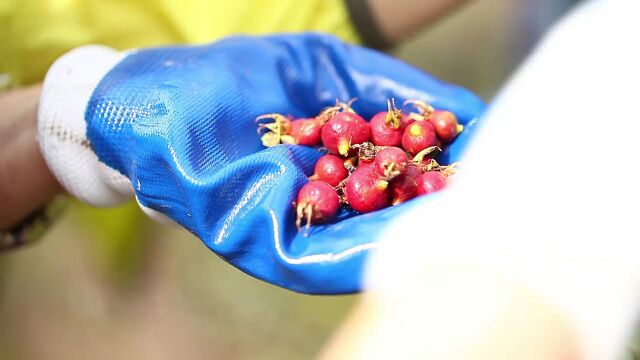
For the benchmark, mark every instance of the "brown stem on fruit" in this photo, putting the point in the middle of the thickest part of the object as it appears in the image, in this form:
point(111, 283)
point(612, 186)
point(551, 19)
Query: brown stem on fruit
point(450, 169)
point(275, 131)
point(367, 151)
point(394, 115)
point(416, 116)
point(340, 190)
point(424, 109)
point(299, 214)
point(391, 171)
point(347, 106)
point(419, 157)
point(431, 165)
point(308, 212)
point(277, 118)
point(327, 113)
point(268, 127)
point(304, 210)
point(350, 164)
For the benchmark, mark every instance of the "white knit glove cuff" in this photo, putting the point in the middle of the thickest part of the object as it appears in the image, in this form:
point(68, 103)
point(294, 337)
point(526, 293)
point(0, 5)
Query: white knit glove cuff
point(62, 128)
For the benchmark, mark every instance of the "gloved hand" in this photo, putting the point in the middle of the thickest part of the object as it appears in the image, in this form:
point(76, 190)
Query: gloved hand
point(175, 127)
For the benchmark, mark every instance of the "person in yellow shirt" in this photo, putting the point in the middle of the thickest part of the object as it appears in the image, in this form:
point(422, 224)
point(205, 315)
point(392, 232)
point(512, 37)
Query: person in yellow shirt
point(34, 33)
point(443, 302)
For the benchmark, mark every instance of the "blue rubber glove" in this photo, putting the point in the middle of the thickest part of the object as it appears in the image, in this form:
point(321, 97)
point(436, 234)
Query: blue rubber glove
point(178, 123)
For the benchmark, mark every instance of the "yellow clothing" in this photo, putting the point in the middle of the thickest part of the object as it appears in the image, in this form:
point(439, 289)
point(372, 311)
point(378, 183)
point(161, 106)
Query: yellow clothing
point(33, 33)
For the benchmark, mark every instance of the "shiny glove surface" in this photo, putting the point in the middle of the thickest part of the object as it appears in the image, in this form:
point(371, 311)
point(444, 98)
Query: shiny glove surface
point(179, 123)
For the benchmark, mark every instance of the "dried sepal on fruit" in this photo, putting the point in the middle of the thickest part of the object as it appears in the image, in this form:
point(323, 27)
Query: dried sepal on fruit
point(367, 151)
point(328, 112)
point(394, 115)
point(422, 154)
point(272, 133)
point(423, 109)
point(351, 164)
point(386, 126)
point(391, 162)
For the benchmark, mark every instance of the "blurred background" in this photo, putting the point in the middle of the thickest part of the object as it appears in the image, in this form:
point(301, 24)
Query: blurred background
point(104, 288)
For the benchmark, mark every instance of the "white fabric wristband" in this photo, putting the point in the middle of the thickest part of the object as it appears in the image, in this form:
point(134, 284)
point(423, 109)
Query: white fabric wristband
point(62, 128)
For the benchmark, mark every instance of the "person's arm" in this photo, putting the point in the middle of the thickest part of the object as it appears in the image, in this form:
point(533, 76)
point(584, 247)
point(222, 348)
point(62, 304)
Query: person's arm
point(533, 252)
point(455, 313)
point(383, 23)
point(26, 183)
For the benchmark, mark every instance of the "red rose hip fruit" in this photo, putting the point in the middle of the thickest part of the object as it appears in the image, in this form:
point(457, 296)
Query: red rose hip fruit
point(391, 162)
point(418, 136)
point(385, 129)
point(431, 181)
point(446, 125)
point(342, 130)
point(317, 203)
point(330, 169)
point(304, 132)
point(366, 191)
point(405, 186)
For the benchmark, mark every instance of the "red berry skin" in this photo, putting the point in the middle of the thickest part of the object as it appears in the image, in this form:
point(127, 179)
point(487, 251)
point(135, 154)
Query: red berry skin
point(330, 169)
point(365, 191)
point(405, 186)
point(367, 164)
point(445, 124)
point(322, 198)
point(383, 134)
point(388, 156)
point(342, 130)
point(431, 181)
point(306, 131)
point(418, 136)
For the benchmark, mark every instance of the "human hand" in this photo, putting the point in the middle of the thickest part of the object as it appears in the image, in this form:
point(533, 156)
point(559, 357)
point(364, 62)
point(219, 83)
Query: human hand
point(175, 127)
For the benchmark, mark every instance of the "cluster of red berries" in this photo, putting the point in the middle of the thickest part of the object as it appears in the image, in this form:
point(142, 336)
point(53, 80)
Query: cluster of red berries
point(370, 165)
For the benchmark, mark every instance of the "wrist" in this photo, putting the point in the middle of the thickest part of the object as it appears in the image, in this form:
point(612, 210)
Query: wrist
point(26, 183)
